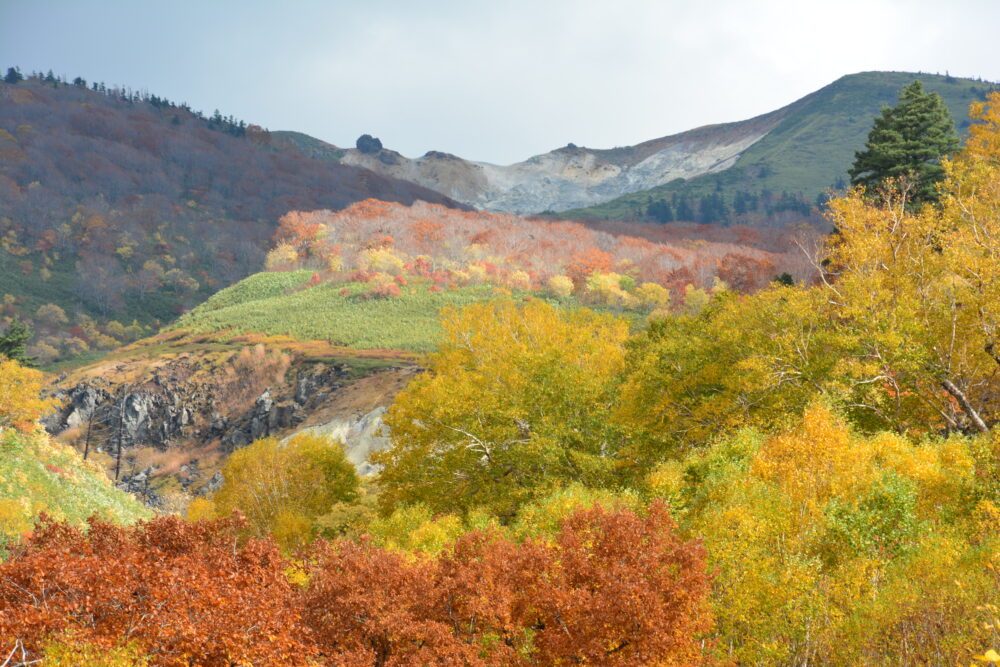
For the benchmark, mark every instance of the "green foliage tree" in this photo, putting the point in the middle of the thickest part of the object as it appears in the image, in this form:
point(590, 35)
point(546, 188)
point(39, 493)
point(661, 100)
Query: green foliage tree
point(14, 341)
point(908, 140)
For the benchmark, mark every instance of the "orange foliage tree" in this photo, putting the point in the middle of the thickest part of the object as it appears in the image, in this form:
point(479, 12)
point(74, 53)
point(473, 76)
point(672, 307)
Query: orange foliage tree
point(456, 243)
point(610, 588)
point(186, 593)
point(585, 263)
point(745, 273)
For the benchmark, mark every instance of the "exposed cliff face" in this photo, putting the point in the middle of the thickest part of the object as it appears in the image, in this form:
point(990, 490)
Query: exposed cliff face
point(177, 421)
point(568, 177)
point(355, 417)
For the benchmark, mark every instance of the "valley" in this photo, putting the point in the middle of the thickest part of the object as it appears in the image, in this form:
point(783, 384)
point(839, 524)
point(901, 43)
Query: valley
point(269, 401)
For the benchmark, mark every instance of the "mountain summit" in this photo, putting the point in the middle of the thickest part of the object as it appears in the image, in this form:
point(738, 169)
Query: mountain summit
point(801, 150)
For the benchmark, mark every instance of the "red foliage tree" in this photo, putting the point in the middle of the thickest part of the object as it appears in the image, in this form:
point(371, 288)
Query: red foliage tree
point(186, 593)
point(590, 261)
point(611, 588)
point(745, 273)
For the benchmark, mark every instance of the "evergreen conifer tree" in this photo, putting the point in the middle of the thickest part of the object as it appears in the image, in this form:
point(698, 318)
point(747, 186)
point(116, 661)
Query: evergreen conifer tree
point(908, 140)
point(13, 342)
point(13, 75)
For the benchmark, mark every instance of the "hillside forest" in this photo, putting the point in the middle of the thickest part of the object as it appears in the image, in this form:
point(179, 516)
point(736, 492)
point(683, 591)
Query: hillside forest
point(120, 209)
point(618, 447)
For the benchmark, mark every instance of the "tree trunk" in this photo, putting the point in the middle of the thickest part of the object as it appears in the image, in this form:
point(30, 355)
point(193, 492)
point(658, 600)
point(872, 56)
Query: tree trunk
point(959, 396)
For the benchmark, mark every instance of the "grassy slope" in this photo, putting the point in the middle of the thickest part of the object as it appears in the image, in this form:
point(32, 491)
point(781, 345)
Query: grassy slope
point(311, 146)
point(813, 146)
point(268, 303)
point(37, 474)
point(279, 304)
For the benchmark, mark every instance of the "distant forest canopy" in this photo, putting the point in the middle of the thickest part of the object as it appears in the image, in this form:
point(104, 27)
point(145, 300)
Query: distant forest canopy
point(118, 205)
point(379, 241)
point(718, 207)
point(227, 124)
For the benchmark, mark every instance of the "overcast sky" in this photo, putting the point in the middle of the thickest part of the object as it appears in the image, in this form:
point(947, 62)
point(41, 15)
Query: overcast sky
point(500, 80)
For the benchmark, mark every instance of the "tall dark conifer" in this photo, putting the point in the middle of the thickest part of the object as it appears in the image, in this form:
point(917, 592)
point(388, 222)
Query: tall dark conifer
point(13, 75)
point(908, 140)
point(14, 342)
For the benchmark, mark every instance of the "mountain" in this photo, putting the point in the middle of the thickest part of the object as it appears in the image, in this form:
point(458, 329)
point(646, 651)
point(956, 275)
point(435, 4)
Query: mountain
point(116, 206)
point(563, 178)
point(781, 161)
point(802, 157)
point(309, 346)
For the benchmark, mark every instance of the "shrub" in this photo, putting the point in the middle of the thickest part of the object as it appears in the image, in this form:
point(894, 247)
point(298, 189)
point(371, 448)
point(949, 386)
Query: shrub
point(561, 286)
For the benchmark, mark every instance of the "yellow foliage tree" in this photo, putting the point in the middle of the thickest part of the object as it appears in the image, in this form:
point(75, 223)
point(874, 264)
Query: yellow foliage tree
point(515, 402)
point(921, 290)
point(835, 547)
point(653, 296)
point(282, 488)
point(282, 257)
point(20, 401)
point(381, 260)
point(561, 286)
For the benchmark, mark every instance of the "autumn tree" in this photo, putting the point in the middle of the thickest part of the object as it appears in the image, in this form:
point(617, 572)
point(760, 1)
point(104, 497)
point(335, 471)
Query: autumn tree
point(515, 401)
point(610, 588)
point(902, 334)
point(20, 401)
point(834, 546)
point(928, 278)
point(583, 264)
point(755, 360)
point(185, 593)
point(51, 316)
point(745, 273)
point(281, 488)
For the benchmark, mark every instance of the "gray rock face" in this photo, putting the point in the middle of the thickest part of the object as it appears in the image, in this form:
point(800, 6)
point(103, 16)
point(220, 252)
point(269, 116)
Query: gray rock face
point(136, 411)
point(81, 402)
point(361, 436)
point(573, 177)
point(162, 413)
point(170, 411)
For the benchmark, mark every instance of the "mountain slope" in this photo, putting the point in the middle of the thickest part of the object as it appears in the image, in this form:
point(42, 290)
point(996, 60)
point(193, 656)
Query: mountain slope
point(811, 148)
point(116, 206)
point(563, 178)
point(39, 475)
point(801, 150)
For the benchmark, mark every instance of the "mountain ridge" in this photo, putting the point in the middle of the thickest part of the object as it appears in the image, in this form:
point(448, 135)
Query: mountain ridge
point(118, 207)
point(580, 181)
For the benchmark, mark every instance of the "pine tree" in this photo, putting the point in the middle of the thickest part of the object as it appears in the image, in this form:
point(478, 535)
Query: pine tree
point(908, 140)
point(14, 340)
point(13, 75)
